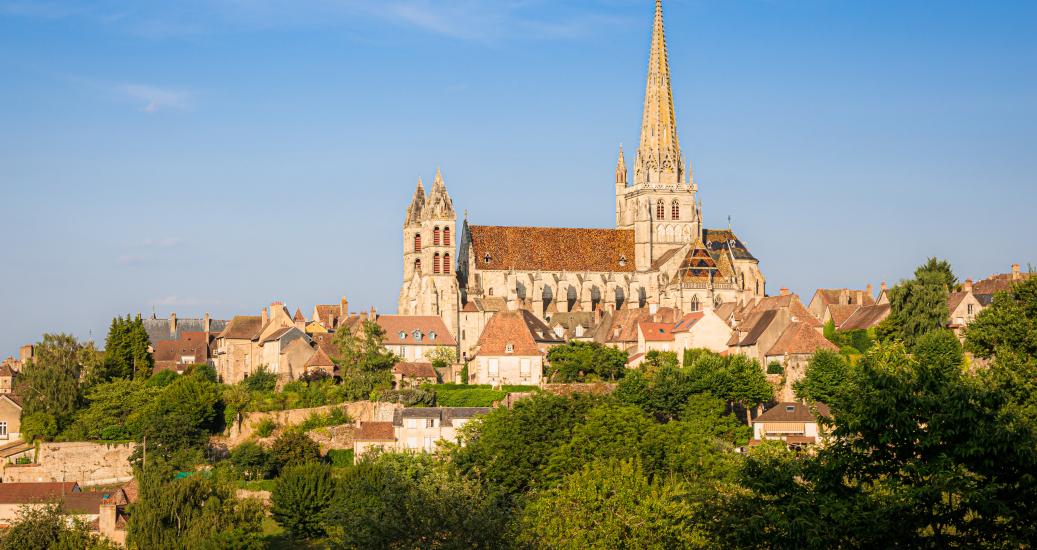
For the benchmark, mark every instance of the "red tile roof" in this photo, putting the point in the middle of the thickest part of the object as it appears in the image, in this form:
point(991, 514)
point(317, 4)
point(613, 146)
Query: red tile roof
point(841, 312)
point(298, 316)
point(656, 332)
point(327, 314)
point(319, 359)
point(326, 342)
point(552, 248)
point(799, 412)
point(790, 301)
point(688, 321)
point(999, 282)
point(415, 370)
point(866, 317)
point(243, 327)
point(374, 431)
point(520, 328)
point(954, 300)
point(400, 330)
point(800, 338)
point(24, 493)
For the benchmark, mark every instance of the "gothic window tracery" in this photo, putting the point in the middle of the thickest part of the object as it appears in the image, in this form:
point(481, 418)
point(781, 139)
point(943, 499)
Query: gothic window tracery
point(675, 210)
point(660, 210)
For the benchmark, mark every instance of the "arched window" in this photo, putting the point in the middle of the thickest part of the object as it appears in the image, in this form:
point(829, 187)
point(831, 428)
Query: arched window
point(446, 263)
point(435, 236)
point(695, 306)
point(435, 263)
point(660, 210)
point(417, 242)
point(446, 236)
point(417, 265)
point(675, 210)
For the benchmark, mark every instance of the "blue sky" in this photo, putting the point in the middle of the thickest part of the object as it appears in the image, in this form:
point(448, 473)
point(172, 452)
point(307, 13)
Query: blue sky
point(198, 156)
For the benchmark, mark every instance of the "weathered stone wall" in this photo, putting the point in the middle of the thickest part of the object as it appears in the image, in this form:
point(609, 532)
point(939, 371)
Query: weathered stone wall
point(85, 462)
point(359, 411)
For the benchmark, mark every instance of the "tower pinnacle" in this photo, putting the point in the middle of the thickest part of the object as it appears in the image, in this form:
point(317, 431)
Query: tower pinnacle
point(621, 169)
point(659, 154)
point(417, 204)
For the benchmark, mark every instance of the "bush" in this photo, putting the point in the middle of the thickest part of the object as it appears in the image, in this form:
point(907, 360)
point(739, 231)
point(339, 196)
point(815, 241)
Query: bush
point(292, 449)
point(300, 498)
point(341, 458)
point(39, 425)
point(265, 427)
point(775, 367)
point(410, 397)
point(260, 381)
point(468, 398)
point(251, 461)
point(334, 417)
point(115, 433)
point(162, 378)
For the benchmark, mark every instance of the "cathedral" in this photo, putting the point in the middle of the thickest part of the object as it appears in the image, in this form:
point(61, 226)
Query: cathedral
point(659, 254)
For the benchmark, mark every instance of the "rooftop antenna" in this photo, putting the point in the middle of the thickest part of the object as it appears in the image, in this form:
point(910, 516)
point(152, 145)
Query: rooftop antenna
point(729, 222)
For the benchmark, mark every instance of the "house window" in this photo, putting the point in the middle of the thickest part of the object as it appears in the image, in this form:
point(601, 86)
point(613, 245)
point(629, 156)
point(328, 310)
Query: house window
point(412, 442)
point(509, 348)
point(622, 261)
point(428, 443)
point(790, 408)
point(524, 367)
point(435, 263)
point(660, 210)
point(675, 210)
point(446, 263)
point(970, 309)
point(494, 368)
point(446, 235)
point(417, 335)
point(3, 429)
point(417, 242)
point(487, 258)
point(403, 335)
point(432, 335)
point(489, 291)
point(430, 422)
point(435, 236)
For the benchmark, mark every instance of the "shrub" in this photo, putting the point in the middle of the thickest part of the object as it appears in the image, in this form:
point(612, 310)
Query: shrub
point(291, 449)
point(334, 417)
point(162, 378)
point(265, 427)
point(115, 432)
point(300, 497)
point(468, 398)
point(775, 367)
point(410, 397)
point(260, 381)
point(39, 425)
point(251, 461)
point(341, 458)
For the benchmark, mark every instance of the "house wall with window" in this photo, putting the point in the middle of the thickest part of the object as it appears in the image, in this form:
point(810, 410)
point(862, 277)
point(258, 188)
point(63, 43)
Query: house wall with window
point(507, 369)
point(10, 418)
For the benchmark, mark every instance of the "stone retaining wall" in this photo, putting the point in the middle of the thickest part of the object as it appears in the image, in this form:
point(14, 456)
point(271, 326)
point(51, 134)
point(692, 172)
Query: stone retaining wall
point(82, 461)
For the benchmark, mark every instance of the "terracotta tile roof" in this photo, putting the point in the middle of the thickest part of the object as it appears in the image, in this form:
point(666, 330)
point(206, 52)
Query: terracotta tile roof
point(665, 258)
point(622, 324)
point(519, 328)
point(834, 295)
point(799, 339)
point(866, 317)
point(243, 327)
point(298, 315)
point(726, 311)
point(415, 370)
point(470, 307)
point(24, 493)
point(89, 502)
point(132, 490)
point(792, 412)
point(327, 314)
point(326, 342)
point(841, 312)
point(277, 334)
point(194, 344)
point(375, 431)
point(656, 332)
point(753, 328)
point(319, 359)
point(792, 303)
point(400, 330)
point(552, 249)
point(999, 282)
point(688, 321)
point(5, 370)
point(954, 300)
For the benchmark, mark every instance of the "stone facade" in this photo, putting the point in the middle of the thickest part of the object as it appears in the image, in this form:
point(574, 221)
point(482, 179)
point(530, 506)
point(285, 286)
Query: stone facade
point(84, 462)
point(658, 254)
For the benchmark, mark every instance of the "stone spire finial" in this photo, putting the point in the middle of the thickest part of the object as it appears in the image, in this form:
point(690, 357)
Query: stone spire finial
point(439, 205)
point(621, 168)
point(417, 204)
point(659, 155)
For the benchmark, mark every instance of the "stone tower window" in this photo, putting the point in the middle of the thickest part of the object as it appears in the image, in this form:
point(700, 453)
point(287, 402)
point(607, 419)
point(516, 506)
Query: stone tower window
point(660, 210)
point(435, 263)
point(446, 263)
point(446, 236)
point(675, 210)
point(417, 265)
point(435, 236)
point(417, 242)
point(509, 348)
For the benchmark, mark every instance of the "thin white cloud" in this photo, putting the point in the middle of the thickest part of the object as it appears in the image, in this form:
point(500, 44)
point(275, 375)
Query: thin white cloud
point(175, 301)
point(153, 98)
point(165, 242)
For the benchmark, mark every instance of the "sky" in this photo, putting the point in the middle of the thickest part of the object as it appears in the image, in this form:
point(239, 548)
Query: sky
point(213, 156)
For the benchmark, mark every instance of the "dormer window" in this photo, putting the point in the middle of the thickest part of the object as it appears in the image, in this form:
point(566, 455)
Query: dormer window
point(417, 335)
point(487, 258)
point(622, 261)
point(403, 335)
point(790, 408)
point(432, 335)
point(509, 348)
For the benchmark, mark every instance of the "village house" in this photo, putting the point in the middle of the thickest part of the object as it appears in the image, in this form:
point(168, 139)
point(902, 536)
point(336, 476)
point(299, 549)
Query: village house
point(865, 317)
point(654, 337)
point(793, 350)
point(239, 348)
point(369, 436)
point(511, 350)
point(413, 337)
point(758, 327)
point(422, 428)
point(319, 361)
point(101, 510)
point(985, 289)
point(10, 415)
point(794, 423)
point(409, 375)
point(701, 330)
point(838, 303)
point(963, 307)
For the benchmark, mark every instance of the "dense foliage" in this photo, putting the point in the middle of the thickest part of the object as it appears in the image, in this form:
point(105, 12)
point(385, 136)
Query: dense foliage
point(46, 527)
point(919, 305)
point(126, 351)
point(585, 361)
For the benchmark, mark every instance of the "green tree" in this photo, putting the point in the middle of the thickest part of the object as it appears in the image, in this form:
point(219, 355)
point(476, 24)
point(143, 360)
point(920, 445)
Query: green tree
point(608, 432)
point(825, 379)
point(301, 496)
point(609, 505)
point(192, 512)
point(260, 380)
point(1009, 324)
point(507, 449)
point(251, 461)
point(180, 417)
point(575, 361)
point(919, 305)
point(126, 350)
point(292, 449)
point(750, 384)
point(442, 357)
point(364, 351)
point(109, 408)
point(49, 384)
point(46, 527)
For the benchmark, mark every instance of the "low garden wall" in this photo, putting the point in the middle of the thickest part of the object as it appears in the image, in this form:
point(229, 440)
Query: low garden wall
point(81, 461)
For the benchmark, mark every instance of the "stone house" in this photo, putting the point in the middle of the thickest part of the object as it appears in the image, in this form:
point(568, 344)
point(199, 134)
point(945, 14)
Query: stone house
point(985, 289)
point(319, 361)
point(422, 428)
point(412, 337)
point(963, 307)
point(405, 375)
point(794, 423)
point(174, 329)
point(793, 350)
point(239, 347)
point(654, 337)
point(473, 318)
point(285, 352)
point(373, 435)
point(758, 328)
point(701, 329)
point(511, 350)
point(7, 377)
point(102, 510)
point(10, 417)
point(190, 348)
point(866, 317)
point(825, 297)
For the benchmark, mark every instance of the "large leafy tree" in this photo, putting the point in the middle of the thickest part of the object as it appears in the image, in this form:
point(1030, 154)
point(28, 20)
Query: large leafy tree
point(611, 504)
point(1009, 324)
point(180, 418)
point(364, 349)
point(126, 350)
point(110, 406)
point(49, 384)
point(576, 361)
point(919, 305)
point(301, 498)
point(47, 527)
point(826, 377)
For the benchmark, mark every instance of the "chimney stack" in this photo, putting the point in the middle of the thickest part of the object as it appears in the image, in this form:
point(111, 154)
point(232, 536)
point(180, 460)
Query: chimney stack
point(1016, 274)
point(870, 290)
point(883, 287)
point(343, 309)
point(967, 287)
point(265, 316)
point(374, 314)
point(784, 292)
point(172, 324)
point(205, 322)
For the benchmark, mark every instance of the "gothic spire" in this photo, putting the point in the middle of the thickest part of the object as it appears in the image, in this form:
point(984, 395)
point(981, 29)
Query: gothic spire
point(659, 155)
point(417, 204)
point(439, 205)
point(621, 168)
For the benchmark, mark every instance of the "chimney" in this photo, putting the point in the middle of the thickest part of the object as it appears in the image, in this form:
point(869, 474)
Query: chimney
point(172, 324)
point(883, 287)
point(870, 291)
point(374, 314)
point(343, 308)
point(860, 297)
point(1016, 274)
point(205, 322)
point(967, 287)
point(106, 518)
point(784, 292)
point(25, 354)
point(264, 315)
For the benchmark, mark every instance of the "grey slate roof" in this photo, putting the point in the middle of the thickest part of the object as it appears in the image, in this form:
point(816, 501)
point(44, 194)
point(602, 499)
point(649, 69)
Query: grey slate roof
point(446, 415)
point(158, 329)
